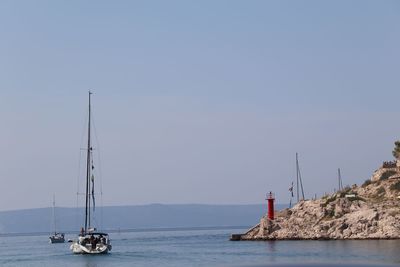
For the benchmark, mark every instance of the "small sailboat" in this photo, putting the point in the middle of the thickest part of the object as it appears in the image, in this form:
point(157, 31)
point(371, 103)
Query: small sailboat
point(56, 237)
point(90, 241)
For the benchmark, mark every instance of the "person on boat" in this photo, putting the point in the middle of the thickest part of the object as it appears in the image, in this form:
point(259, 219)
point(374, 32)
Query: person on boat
point(102, 239)
point(82, 232)
point(93, 241)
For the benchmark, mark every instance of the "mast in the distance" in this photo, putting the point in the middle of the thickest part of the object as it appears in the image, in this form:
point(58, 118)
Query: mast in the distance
point(340, 182)
point(54, 214)
point(299, 180)
point(297, 177)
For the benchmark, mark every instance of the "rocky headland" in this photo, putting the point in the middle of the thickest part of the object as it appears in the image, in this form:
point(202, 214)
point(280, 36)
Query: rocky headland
point(369, 211)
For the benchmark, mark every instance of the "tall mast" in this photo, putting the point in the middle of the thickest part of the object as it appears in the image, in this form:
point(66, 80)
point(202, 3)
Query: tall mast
point(54, 214)
point(297, 177)
point(301, 185)
point(89, 148)
point(299, 180)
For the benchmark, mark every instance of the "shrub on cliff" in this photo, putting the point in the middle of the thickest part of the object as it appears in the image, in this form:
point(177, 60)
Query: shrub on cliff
point(396, 150)
point(386, 175)
point(395, 186)
point(356, 198)
point(380, 190)
point(328, 200)
point(366, 183)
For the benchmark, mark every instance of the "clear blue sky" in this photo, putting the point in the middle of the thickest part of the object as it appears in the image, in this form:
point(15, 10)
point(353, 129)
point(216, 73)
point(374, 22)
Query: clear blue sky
point(195, 101)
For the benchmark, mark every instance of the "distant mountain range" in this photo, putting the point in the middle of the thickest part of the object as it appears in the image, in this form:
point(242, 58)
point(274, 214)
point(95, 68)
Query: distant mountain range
point(133, 217)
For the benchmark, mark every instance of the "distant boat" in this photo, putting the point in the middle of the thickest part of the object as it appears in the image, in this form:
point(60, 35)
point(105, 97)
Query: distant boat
point(56, 237)
point(90, 241)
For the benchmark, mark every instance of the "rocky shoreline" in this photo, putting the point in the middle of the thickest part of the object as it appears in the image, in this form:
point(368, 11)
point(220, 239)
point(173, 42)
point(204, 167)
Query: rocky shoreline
point(369, 211)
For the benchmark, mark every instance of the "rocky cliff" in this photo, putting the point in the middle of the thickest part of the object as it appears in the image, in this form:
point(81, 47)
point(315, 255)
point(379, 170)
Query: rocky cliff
point(370, 211)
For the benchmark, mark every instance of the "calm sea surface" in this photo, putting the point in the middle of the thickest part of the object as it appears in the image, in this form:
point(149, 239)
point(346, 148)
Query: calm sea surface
point(199, 248)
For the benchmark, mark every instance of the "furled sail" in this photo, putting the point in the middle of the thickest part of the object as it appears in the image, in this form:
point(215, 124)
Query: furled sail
point(94, 203)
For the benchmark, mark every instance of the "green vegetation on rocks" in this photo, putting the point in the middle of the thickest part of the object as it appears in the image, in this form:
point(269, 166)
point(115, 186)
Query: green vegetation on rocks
point(380, 190)
point(366, 183)
point(395, 186)
point(387, 174)
point(396, 150)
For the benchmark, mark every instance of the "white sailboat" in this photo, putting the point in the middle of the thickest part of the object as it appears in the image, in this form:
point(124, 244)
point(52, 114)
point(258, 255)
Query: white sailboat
point(90, 241)
point(56, 237)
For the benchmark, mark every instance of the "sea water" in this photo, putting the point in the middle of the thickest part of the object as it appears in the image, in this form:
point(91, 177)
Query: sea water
point(210, 247)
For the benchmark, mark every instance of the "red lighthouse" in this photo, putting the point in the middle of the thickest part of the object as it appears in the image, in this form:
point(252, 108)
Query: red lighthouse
point(270, 198)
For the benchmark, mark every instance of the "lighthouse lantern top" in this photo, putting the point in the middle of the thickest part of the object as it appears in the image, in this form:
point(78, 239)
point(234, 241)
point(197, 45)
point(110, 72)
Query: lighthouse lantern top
point(270, 195)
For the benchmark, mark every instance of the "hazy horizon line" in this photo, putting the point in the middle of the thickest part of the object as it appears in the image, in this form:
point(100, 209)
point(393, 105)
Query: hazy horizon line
point(142, 205)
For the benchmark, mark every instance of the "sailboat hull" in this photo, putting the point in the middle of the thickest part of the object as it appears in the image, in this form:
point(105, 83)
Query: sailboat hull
point(56, 239)
point(80, 249)
point(93, 243)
